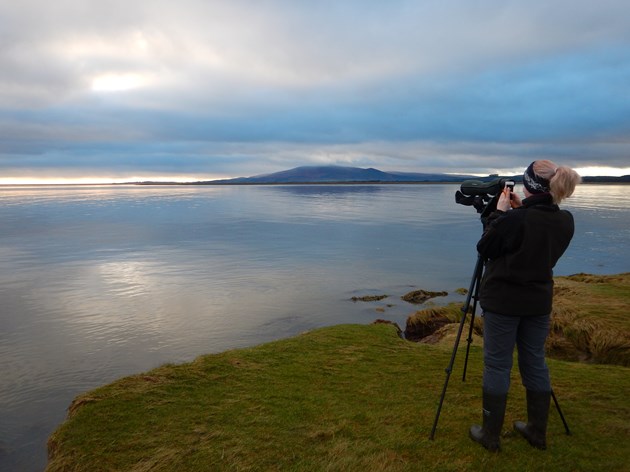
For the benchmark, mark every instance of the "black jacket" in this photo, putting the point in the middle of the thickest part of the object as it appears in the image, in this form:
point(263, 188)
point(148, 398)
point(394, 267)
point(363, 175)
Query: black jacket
point(521, 247)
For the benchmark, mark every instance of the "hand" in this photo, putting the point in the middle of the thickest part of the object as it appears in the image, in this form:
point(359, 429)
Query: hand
point(504, 203)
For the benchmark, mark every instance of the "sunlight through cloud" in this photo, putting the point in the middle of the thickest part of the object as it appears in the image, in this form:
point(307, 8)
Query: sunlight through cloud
point(118, 82)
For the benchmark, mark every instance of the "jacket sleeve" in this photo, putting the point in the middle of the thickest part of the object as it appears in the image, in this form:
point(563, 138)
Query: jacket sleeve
point(503, 234)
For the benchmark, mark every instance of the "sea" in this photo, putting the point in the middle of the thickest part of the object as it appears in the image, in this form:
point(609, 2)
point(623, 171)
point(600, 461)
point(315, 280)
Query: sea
point(99, 282)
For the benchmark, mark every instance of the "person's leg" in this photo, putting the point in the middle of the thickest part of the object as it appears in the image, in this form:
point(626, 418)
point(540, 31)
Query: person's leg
point(499, 336)
point(530, 341)
point(531, 338)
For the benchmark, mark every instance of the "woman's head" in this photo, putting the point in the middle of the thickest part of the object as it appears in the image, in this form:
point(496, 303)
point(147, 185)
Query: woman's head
point(544, 176)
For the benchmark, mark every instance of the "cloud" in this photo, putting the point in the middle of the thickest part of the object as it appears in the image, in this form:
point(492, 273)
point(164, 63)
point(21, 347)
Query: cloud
point(223, 87)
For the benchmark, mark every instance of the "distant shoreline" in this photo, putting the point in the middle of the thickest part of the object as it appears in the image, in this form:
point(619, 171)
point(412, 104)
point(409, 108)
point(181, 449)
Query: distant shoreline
point(586, 181)
point(343, 175)
point(350, 182)
point(605, 182)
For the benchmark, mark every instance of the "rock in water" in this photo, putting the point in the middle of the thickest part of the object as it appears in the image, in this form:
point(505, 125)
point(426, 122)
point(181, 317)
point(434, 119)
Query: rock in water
point(421, 296)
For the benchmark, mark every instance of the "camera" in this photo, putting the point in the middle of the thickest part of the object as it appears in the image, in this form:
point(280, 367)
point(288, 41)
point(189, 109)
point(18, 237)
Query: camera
point(482, 195)
point(478, 187)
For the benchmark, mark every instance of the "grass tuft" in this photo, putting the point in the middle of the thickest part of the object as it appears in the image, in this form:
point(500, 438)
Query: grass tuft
point(589, 323)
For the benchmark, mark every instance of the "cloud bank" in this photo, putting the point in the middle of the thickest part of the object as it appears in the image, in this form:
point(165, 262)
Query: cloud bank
point(202, 89)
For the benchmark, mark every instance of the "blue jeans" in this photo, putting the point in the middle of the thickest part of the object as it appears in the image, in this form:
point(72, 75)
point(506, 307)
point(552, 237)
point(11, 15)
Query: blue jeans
point(500, 334)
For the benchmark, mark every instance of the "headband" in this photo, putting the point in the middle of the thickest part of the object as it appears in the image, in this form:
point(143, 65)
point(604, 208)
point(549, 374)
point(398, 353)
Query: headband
point(534, 183)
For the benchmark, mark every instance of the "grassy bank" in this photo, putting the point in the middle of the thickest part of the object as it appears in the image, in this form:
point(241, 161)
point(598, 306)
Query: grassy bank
point(344, 398)
point(590, 320)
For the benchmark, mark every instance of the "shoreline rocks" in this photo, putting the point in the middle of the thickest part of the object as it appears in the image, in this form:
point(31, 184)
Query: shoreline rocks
point(369, 298)
point(420, 296)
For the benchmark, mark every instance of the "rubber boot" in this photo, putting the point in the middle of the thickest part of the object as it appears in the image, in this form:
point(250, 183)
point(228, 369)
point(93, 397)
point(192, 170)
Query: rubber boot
point(489, 434)
point(535, 431)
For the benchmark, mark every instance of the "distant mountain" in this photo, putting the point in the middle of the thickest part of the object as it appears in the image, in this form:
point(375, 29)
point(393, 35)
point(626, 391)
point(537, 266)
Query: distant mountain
point(342, 174)
point(337, 174)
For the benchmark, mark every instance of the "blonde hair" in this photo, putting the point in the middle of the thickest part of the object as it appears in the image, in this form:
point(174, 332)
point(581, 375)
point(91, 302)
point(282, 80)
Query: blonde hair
point(562, 179)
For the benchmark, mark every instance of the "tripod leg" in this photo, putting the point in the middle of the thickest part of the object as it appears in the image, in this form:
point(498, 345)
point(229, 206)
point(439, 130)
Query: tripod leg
point(564, 422)
point(477, 283)
point(469, 341)
point(449, 369)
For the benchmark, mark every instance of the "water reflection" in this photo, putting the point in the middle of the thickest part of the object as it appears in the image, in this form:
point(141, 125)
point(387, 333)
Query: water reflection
point(328, 190)
point(100, 282)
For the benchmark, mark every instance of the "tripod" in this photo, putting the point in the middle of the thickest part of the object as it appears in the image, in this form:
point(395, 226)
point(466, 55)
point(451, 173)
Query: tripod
point(473, 295)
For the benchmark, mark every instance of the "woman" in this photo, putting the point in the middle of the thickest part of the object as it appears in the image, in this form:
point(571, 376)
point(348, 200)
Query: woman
point(521, 243)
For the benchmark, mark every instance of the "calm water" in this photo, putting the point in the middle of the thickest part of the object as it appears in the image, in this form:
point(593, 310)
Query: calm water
point(100, 282)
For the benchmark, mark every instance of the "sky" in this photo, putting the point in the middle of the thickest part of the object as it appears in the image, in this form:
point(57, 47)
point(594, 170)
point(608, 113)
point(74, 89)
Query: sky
point(119, 90)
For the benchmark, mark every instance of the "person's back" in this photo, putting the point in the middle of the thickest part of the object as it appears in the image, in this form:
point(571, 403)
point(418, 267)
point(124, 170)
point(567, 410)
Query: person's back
point(523, 247)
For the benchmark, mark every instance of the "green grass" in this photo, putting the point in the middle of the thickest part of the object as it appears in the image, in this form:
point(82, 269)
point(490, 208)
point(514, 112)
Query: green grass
point(344, 398)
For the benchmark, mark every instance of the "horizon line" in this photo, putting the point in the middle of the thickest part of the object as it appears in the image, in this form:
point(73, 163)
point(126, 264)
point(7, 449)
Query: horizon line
point(585, 172)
